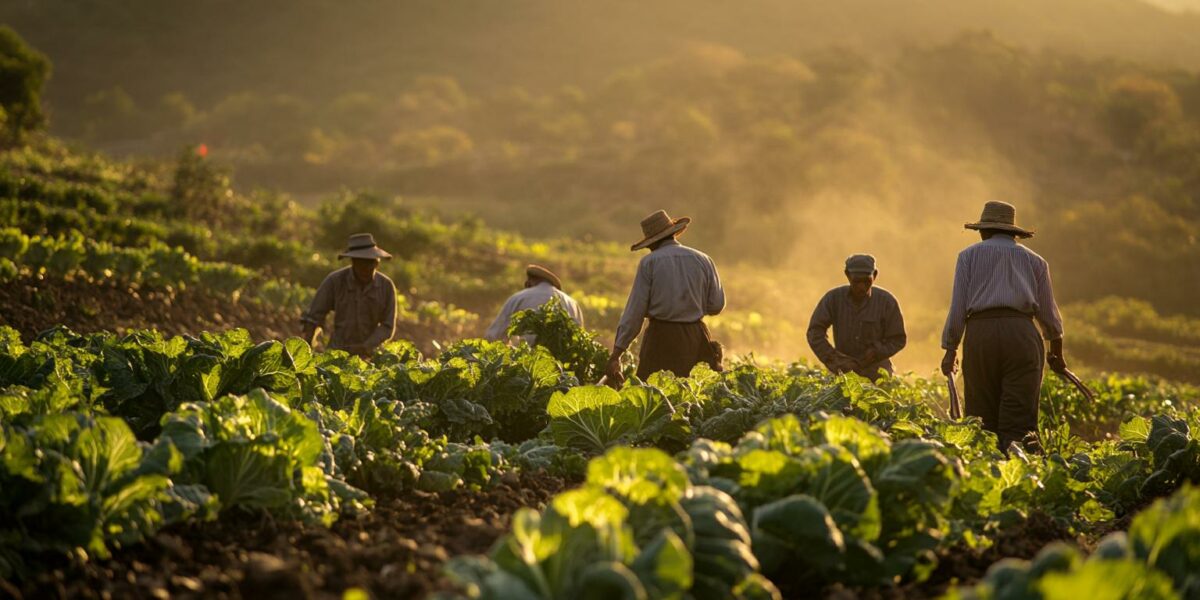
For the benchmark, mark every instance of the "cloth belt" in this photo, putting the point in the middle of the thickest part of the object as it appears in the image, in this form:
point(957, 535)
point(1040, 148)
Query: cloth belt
point(676, 322)
point(1002, 312)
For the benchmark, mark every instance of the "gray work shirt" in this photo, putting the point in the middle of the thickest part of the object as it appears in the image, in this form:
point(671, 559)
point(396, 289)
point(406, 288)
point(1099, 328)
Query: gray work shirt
point(1000, 273)
point(673, 283)
point(529, 299)
point(363, 315)
point(876, 324)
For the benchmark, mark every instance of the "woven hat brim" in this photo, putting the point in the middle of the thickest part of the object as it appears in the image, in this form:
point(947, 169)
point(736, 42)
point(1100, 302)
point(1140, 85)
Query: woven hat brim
point(678, 226)
point(366, 253)
point(999, 226)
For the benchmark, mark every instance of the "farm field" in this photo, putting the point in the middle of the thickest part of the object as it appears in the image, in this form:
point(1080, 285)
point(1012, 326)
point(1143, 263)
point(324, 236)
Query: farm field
point(205, 465)
point(165, 431)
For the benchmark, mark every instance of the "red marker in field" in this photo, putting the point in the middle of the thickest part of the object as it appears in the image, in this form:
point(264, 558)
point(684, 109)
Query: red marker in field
point(202, 150)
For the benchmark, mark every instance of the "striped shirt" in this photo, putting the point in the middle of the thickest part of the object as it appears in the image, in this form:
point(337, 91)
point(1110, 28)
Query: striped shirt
point(673, 283)
point(1000, 273)
point(528, 299)
point(877, 325)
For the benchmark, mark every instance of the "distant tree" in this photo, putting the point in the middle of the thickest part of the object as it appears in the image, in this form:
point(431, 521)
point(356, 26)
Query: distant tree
point(201, 191)
point(23, 72)
point(1134, 105)
point(109, 114)
point(432, 146)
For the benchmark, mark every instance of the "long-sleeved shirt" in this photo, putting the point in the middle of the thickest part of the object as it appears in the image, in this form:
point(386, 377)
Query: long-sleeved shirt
point(673, 283)
point(877, 324)
point(528, 299)
point(1000, 273)
point(363, 315)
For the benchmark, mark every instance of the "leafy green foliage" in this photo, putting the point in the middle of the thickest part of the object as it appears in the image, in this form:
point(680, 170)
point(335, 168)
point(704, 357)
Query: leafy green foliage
point(1159, 559)
point(573, 346)
point(869, 474)
point(636, 529)
point(23, 72)
point(594, 418)
point(72, 481)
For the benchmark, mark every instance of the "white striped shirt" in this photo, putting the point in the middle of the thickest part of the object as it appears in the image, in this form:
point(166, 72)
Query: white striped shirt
point(1000, 273)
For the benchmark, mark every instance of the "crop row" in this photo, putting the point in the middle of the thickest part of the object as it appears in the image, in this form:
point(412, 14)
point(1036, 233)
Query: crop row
point(737, 477)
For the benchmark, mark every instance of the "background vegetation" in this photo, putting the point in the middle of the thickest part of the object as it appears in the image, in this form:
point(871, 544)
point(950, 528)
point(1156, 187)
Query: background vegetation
point(791, 141)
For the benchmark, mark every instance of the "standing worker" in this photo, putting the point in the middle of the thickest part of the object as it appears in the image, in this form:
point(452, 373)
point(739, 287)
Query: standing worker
point(541, 286)
point(362, 299)
point(675, 287)
point(1000, 287)
point(868, 328)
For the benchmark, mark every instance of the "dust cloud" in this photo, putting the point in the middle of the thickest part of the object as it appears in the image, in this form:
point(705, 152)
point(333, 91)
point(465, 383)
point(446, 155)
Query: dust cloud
point(887, 190)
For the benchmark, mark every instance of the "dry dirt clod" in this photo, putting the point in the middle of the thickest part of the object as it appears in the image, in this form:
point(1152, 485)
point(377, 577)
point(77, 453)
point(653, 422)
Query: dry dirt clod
point(190, 584)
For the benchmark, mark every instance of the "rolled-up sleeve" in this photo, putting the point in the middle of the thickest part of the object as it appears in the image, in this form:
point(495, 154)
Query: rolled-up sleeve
point(818, 330)
point(714, 303)
point(321, 304)
point(387, 325)
point(956, 319)
point(636, 307)
point(1047, 308)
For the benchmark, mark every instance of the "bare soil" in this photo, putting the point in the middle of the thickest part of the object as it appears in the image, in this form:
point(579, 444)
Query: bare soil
point(33, 304)
point(396, 550)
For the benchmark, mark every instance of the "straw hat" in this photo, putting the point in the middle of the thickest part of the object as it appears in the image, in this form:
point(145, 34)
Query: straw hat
point(541, 272)
point(362, 245)
point(660, 226)
point(1000, 216)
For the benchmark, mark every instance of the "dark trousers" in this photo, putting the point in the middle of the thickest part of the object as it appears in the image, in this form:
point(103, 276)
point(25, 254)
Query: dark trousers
point(1002, 369)
point(675, 347)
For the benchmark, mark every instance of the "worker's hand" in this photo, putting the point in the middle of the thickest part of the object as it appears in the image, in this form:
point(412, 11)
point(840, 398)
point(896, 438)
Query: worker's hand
point(613, 371)
point(870, 357)
point(843, 363)
point(949, 363)
point(1057, 363)
point(1054, 357)
point(309, 334)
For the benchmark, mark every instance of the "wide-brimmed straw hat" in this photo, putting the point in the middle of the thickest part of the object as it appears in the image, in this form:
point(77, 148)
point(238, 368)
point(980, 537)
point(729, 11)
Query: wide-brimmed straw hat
point(660, 226)
point(543, 273)
point(362, 245)
point(1000, 216)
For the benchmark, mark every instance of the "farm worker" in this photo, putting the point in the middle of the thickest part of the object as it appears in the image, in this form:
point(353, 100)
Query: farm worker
point(1000, 288)
point(541, 286)
point(362, 299)
point(675, 287)
point(868, 328)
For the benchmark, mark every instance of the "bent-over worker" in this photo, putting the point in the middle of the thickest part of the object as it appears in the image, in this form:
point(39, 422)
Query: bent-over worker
point(868, 327)
point(362, 299)
point(675, 287)
point(1000, 288)
point(541, 286)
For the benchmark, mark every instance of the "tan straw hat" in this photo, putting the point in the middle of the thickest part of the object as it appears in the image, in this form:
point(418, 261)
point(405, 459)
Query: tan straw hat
point(541, 272)
point(660, 226)
point(1000, 216)
point(362, 245)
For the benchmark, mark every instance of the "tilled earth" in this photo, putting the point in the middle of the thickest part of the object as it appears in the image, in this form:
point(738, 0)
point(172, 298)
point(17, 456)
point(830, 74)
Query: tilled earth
point(396, 550)
point(33, 304)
